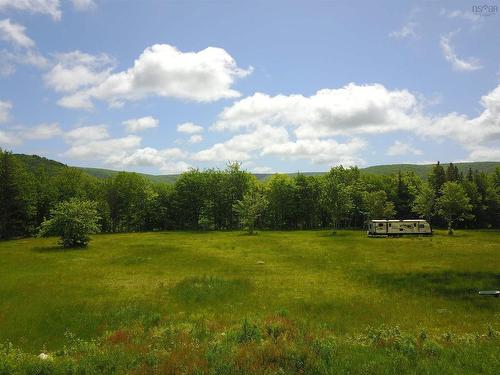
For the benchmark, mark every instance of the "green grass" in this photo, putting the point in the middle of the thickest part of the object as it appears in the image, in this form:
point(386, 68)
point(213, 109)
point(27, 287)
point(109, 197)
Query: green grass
point(340, 286)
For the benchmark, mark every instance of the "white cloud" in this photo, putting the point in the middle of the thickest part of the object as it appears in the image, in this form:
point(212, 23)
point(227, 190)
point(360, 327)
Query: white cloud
point(167, 160)
point(94, 142)
point(5, 108)
point(102, 148)
point(15, 33)
point(162, 70)
point(19, 134)
point(76, 101)
point(83, 5)
point(407, 31)
point(349, 111)
point(189, 128)
point(24, 50)
point(352, 109)
point(482, 153)
point(319, 151)
point(457, 63)
point(48, 7)
point(76, 69)
point(261, 169)
point(195, 138)
point(9, 60)
point(139, 124)
point(480, 135)
point(240, 146)
point(470, 132)
point(399, 148)
point(9, 139)
point(85, 134)
point(42, 131)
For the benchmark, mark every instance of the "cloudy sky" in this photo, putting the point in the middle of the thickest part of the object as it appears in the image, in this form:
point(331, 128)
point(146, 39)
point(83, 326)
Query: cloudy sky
point(162, 86)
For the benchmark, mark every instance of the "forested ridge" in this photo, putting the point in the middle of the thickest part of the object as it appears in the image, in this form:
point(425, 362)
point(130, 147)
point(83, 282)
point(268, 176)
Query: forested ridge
point(343, 197)
point(33, 162)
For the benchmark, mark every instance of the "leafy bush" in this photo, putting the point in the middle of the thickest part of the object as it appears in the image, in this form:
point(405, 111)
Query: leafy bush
point(73, 221)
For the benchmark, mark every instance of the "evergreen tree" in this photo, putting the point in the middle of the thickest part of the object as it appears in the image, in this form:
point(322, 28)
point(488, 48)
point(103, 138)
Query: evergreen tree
point(403, 199)
point(437, 178)
point(17, 198)
point(452, 173)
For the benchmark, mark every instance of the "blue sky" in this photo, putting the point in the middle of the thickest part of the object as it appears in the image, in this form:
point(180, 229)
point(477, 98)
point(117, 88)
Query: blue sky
point(161, 86)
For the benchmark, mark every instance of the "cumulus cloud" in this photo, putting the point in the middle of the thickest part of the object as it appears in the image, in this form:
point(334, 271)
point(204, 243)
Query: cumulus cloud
point(102, 148)
point(352, 109)
point(8, 139)
point(240, 146)
point(482, 153)
point(399, 148)
point(189, 128)
point(5, 108)
point(86, 134)
point(15, 33)
point(19, 134)
point(162, 70)
point(74, 70)
point(10, 59)
point(319, 151)
point(195, 138)
point(407, 31)
point(42, 131)
point(23, 50)
point(140, 124)
point(469, 64)
point(95, 143)
point(470, 132)
point(48, 7)
point(167, 160)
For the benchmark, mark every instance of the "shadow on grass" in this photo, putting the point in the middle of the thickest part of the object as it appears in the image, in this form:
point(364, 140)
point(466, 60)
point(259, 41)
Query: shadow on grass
point(56, 249)
point(447, 284)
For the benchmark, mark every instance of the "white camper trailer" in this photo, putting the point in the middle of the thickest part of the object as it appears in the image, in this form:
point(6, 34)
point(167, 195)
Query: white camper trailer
point(398, 227)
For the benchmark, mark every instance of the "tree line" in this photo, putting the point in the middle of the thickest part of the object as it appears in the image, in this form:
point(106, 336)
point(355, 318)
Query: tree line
point(225, 199)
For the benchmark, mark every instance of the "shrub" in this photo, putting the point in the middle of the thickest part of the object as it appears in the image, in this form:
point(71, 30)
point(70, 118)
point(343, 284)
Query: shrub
point(73, 221)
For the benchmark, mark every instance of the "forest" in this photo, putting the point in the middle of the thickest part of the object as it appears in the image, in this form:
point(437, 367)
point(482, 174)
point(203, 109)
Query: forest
point(208, 199)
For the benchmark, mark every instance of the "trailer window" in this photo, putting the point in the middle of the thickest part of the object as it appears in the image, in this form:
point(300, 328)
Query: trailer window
point(380, 224)
point(414, 225)
point(422, 226)
point(390, 224)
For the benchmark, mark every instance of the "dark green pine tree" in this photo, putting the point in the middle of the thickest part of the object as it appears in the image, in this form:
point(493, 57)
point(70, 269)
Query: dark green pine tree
point(16, 199)
point(437, 178)
point(403, 199)
point(470, 175)
point(452, 173)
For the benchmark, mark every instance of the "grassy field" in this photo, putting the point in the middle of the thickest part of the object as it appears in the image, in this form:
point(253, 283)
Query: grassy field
point(373, 297)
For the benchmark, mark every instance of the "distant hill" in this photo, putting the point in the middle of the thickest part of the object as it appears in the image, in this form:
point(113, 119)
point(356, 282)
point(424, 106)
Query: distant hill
point(34, 163)
point(106, 173)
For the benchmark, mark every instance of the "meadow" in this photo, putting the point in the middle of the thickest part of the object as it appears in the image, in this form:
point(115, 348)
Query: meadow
point(226, 302)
